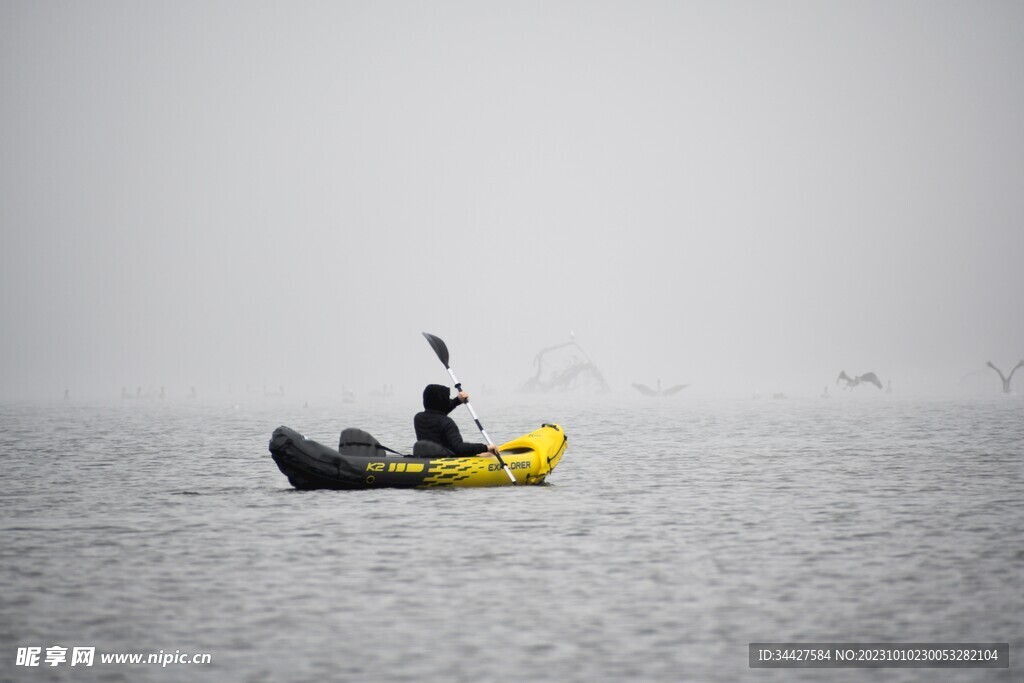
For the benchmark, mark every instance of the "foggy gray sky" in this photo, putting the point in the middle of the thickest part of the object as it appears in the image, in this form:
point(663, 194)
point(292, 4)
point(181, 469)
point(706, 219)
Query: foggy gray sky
point(736, 195)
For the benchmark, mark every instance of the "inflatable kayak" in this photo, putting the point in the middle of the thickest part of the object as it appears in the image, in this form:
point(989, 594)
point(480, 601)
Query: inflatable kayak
point(361, 462)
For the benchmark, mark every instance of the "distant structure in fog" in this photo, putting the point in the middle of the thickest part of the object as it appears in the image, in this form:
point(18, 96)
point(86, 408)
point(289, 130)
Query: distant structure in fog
point(647, 391)
point(565, 370)
point(869, 377)
point(1006, 380)
point(140, 394)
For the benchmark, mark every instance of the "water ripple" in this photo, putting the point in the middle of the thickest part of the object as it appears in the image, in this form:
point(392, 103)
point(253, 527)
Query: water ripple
point(670, 537)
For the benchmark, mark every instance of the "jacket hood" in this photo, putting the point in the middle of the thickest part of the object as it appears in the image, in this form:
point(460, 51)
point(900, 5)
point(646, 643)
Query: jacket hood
point(435, 397)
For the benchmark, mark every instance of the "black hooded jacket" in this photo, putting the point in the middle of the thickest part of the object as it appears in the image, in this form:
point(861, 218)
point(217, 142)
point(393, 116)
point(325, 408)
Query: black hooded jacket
point(433, 424)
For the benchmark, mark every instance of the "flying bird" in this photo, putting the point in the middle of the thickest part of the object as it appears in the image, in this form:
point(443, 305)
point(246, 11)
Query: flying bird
point(869, 377)
point(1006, 380)
point(647, 391)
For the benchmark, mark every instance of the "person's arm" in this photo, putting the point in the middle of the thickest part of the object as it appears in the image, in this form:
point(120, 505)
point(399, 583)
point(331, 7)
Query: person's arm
point(452, 405)
point(457, 401)
point(453, 440)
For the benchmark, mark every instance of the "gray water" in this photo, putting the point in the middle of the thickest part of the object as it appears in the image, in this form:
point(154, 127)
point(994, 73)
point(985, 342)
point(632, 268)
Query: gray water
point(673, 533)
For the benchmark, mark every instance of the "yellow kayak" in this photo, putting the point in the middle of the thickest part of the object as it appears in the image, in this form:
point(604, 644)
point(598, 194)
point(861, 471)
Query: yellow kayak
point(367, 464)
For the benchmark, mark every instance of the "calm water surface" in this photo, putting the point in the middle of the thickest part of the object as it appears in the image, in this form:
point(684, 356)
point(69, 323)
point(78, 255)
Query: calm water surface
point(673, 533)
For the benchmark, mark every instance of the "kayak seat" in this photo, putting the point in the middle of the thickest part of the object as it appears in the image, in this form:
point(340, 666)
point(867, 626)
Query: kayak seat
point(355, 441)
point(430, 449)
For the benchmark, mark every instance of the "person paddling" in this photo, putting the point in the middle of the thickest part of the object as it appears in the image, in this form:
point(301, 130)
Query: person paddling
point(433, 424)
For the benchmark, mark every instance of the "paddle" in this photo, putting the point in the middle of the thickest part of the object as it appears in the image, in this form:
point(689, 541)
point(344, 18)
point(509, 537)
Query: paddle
point(441, 350)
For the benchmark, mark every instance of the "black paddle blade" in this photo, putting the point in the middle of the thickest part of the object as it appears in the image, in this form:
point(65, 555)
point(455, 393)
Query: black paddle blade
point(439, 347)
